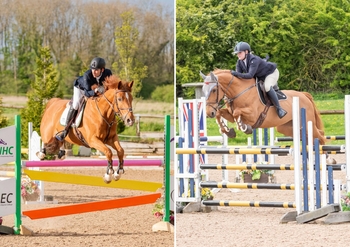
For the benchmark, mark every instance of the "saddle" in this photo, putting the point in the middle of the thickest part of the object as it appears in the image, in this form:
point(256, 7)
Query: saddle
point(263, 96)
point(77, 120)
point(79, 115)
point(266, 101)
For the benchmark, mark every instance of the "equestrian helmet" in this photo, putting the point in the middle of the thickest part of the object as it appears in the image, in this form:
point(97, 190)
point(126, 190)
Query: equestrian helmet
point(241, 46)
point(97, 63)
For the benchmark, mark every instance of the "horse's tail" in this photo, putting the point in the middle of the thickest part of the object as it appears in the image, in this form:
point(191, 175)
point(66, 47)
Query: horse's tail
point(318, 120)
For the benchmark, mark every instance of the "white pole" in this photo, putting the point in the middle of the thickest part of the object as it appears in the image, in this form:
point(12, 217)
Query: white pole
point(296, 154)
point(249, 156)
point(324, 180)
point(337, 194)
point(225, 156)
point(261, 156)
point(311, 170)
point(347, 139)
point(272, 143)
point(195, 134)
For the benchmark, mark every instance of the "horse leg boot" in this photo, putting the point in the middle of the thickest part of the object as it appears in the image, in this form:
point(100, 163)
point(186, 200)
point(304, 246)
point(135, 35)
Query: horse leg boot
point(70, 117)
point(273, 97)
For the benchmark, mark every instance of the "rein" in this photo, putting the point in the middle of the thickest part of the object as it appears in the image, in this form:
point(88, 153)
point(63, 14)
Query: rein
point(225, 90)
point(239, 94)
point(262, 115)
point(116, 112)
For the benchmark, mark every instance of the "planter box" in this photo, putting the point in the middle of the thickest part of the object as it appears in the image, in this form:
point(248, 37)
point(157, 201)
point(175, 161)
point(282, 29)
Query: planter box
point(264, 178)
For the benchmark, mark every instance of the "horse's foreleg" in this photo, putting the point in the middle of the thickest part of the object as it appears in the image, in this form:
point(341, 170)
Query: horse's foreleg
point(245, 128)
point(114, 143)
point(99, 145)
point(220, 116)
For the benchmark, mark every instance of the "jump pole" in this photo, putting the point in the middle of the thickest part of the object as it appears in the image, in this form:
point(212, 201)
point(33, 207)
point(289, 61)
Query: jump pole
point(91, 206)
point(86, 162)
point(91, 180)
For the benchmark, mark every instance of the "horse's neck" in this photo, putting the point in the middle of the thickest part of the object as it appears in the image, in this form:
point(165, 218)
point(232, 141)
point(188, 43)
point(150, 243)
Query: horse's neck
point(236, 87)
point(104, 104)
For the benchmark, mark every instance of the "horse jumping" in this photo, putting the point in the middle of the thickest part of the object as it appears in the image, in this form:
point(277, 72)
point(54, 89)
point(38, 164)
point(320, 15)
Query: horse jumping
point(98, 125)
point(245, 107)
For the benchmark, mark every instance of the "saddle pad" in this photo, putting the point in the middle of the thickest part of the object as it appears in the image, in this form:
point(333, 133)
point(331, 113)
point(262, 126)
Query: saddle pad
point(280, 95)
point(78, 119)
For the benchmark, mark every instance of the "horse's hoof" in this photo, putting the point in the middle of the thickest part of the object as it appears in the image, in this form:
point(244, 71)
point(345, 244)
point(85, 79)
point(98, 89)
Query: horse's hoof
point(231, 133)
point(40, 155)
point(331, 161)
point(62, 154)
point(107, 178)
point(116, 176)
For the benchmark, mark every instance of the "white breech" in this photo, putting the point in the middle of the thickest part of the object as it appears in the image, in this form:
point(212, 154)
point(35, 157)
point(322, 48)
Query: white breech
point(77, 95)
point(271, 80)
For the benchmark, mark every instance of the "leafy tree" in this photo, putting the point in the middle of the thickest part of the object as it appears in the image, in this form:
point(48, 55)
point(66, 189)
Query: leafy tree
point(128, 67)
point(307, 39)
point(4, 121)
point(42, 89)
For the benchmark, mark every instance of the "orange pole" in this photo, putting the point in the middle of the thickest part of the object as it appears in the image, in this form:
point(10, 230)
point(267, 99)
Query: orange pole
point(91, 206)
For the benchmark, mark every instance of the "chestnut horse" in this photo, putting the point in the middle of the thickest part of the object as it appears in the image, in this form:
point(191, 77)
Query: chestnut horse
point(98, 125)
point(244, 106)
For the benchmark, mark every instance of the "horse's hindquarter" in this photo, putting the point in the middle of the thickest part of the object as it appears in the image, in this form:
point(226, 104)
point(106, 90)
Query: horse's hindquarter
point(287, 104)
point(50, 122)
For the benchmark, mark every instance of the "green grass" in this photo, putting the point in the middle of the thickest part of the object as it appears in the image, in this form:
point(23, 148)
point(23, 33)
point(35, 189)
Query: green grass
point(333, 124)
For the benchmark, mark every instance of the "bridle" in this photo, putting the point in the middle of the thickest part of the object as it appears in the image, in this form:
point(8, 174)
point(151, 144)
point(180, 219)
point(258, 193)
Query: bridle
point(226, 90)
point(117, 112)
point(217, 100)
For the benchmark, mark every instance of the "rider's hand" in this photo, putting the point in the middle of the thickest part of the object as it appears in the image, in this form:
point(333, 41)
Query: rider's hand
point(234, 73)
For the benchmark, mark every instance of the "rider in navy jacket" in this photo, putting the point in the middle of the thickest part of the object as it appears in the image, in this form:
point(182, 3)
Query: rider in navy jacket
point(250, 66)
point(82, 86)
point(256, 68)
point(87, 80)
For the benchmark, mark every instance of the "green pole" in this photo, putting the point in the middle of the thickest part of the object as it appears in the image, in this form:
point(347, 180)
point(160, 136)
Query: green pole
point(18, 219)
point(167, 169)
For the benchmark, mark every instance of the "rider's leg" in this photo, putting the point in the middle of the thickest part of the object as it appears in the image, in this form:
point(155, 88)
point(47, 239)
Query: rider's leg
point(71, 113)
point(270, 82)
point(273, 97)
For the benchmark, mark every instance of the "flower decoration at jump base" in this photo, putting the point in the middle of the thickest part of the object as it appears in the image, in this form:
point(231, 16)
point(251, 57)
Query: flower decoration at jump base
point(29, 189)
point(255, 174)
point(345, 202)
point(206, 194)
point(158, 212)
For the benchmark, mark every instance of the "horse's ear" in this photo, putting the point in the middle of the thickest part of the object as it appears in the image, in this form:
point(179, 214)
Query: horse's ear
point(213, 77)
point(120, 85)
point(202, 75)
point(131, 84)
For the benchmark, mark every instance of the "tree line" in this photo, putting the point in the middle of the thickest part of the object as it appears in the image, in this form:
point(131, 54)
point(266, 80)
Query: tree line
point(127, 35)
point(308, 39)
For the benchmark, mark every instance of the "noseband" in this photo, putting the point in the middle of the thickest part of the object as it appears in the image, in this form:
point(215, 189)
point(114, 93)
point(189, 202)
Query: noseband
point(217, 100)
point(118, 112)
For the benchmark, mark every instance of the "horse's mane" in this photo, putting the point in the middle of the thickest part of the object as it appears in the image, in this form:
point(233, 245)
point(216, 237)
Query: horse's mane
point(111, 82)
point(220, 71)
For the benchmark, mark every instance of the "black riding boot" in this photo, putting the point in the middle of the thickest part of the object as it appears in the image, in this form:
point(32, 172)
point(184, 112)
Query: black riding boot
point(70, 116)
point(273, 97)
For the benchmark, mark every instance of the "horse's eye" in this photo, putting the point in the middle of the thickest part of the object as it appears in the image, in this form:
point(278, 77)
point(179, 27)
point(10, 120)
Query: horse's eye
point(119, 99)
point(214, 90)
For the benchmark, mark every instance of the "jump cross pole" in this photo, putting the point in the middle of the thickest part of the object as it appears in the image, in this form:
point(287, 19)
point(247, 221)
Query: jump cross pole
point(93, 206)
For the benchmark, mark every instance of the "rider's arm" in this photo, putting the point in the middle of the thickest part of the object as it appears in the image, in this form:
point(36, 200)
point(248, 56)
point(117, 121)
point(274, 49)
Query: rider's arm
point(253, 67)
point(86, 85)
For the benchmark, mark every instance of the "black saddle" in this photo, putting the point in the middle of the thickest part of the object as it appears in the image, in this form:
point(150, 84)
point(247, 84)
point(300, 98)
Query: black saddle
point(263, 96)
